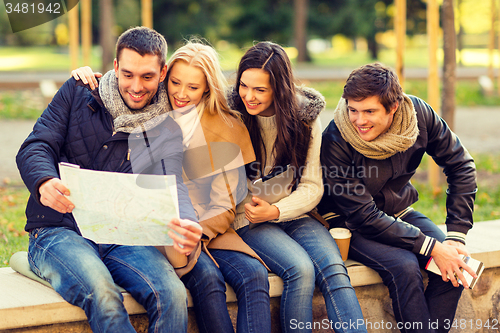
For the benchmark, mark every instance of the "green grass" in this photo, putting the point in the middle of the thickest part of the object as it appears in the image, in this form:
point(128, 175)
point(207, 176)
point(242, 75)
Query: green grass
point(486, 206)
point(430, 204)
point(49, 58)
point(21, 104)
point(29, 104)
point(58, 58)
point(468, 92)
point(43, 58)
point(490, 163)
point(13, 238)
point(331, 90)
point(487, 203)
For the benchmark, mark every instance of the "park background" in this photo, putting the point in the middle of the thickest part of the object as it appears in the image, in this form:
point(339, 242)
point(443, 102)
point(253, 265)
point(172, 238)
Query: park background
point(338, 35)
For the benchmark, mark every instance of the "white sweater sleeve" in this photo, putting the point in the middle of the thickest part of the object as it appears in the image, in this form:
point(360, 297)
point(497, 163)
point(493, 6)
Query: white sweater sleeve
point(310, 189)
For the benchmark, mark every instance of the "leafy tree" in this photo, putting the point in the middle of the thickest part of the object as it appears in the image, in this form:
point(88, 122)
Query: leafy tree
point(179, 19)
point(262, 20)
point(301, 10)
point(328, 18)
point(362, 18)
point(416, 17)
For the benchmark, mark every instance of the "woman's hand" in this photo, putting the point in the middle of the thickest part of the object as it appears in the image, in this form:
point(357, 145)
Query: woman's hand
point(87, 76)
point(187, 237)
point(260, 211)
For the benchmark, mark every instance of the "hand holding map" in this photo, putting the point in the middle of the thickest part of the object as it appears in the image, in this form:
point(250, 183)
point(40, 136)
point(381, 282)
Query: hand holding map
point(121, 208)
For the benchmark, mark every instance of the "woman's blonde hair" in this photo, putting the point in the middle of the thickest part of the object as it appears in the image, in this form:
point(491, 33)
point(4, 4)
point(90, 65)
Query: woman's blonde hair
point(199, 54)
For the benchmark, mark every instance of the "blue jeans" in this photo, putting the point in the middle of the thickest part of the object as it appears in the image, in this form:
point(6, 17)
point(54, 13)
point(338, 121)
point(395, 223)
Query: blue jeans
point(304, 254)
point(400, 272)
point(249, 280)
point(85, 273)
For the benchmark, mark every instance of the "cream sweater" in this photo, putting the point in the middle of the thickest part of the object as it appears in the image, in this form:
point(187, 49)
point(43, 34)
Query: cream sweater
point(310, 189)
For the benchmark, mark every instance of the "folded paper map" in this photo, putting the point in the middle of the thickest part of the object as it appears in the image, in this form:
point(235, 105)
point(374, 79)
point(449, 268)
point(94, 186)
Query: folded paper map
point(121, 208)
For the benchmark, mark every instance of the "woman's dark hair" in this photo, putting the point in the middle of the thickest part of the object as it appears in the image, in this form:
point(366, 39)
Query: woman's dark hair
point(292, 141)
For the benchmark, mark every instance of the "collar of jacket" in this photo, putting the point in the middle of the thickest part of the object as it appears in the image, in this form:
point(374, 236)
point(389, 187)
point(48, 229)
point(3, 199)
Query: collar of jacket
point(310, 102)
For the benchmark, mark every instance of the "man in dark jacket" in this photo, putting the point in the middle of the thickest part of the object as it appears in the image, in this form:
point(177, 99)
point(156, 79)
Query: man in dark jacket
point(369, 152)
point(97, 130)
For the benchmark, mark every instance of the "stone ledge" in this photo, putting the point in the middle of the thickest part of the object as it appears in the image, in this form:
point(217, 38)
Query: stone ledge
point(28, 304)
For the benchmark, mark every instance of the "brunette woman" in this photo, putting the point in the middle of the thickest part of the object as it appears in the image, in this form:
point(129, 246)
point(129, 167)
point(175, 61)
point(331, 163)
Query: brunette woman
point(285, 130)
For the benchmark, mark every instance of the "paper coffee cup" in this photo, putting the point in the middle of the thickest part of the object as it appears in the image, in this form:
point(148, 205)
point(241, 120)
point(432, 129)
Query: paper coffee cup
point(342, 237)
point(176, 259)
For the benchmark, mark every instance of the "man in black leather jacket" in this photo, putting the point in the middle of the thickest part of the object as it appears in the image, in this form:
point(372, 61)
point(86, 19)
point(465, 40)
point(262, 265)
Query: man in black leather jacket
point(369, 153)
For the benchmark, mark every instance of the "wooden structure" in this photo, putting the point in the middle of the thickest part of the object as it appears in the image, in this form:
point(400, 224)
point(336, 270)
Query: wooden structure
point(400, 30)
point(147, 13)
point(86, 29)
point(433, 96)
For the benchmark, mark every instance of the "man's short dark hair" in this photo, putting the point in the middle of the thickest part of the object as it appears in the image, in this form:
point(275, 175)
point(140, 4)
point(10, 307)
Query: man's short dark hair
point(144, 41)
point(374, 80)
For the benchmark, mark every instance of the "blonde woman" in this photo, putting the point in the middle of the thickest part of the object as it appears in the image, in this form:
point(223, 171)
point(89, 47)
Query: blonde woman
point(217, 147)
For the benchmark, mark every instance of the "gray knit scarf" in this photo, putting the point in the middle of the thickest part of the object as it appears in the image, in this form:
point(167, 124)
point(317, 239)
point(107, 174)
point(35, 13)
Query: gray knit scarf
point(125, 119)
point(401, 135)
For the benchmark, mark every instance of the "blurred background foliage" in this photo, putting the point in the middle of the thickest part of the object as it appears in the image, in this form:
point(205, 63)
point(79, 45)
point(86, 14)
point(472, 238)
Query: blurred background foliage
point(333, 25)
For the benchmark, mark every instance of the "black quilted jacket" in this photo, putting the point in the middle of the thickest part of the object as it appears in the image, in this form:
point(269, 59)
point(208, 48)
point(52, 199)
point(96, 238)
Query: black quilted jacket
point(76, 128)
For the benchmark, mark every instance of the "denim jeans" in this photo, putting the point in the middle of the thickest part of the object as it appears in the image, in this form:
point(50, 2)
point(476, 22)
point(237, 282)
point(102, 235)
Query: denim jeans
point(400, 271)
point(249, 280)
point(304, 254)
point(85, 273)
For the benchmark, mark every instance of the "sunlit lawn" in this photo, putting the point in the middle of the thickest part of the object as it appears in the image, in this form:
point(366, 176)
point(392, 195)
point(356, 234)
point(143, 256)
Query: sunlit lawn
point(21, 104)
point(29, 104)
point(57, 58)
point(468, 92)
point(40, 58)
point(487, 204)
point(13, 238)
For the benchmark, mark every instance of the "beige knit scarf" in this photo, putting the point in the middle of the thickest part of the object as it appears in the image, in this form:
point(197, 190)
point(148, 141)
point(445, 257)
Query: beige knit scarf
point(401, 135)
point(125, 119)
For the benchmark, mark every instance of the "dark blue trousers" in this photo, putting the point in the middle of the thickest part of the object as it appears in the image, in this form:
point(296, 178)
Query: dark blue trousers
point(416, 308)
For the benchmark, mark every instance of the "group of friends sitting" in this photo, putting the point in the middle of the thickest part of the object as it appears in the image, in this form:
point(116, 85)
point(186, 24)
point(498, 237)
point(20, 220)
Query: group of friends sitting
point(355, 174)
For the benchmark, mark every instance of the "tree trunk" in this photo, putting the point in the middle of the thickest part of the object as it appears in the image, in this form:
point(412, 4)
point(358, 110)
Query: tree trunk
point(372, 47)
point(300, 29)
point(107, 40)
point(449, 65)
point(460, 35)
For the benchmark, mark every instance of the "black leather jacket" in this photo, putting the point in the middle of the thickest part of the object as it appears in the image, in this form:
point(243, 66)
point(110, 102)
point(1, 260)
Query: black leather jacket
point(368, 193)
